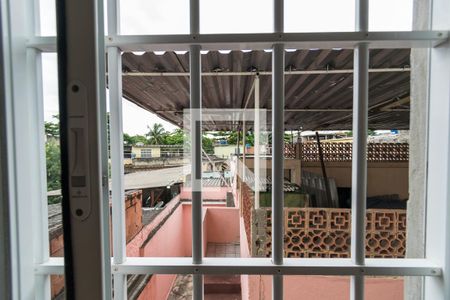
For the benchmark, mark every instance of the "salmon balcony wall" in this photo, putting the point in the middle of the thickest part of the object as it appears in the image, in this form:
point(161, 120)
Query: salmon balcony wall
point(323, 288)
point(145, 238)
point(222, 225)
point(245, 252)
point(209, 193)
point(169, 234)
point(163, 236)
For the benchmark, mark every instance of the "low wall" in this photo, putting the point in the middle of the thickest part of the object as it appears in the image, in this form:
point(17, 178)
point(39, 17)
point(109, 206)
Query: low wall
point(133, 220)
point(133, 213)
point(57, 250)
point(170, 235)
point(256, 287)
point(165, 236)
point(208, 193)
point(325, 232)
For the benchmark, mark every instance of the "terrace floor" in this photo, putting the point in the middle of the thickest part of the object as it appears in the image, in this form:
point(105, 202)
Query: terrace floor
point(223, 250)
point(226, 287)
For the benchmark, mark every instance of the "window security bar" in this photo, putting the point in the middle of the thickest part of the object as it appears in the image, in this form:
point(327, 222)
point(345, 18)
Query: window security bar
point(261, 41)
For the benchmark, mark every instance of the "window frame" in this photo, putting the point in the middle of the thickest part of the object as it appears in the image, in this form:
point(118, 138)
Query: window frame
point(23, 57)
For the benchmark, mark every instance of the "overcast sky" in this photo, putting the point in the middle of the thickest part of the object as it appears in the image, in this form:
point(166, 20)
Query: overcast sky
point(226, 16)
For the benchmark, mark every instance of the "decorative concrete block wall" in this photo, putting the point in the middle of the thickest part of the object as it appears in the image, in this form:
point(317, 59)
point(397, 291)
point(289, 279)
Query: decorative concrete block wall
point(325, 232)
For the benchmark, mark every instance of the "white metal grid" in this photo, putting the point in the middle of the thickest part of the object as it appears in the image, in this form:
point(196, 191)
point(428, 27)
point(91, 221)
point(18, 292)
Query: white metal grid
point(357, 267)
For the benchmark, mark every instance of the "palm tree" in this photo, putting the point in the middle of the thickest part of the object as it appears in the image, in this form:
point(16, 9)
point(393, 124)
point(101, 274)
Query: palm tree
point(156, 134)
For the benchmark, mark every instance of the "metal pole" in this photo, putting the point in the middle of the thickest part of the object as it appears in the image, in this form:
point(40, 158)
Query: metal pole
point(256, 143)
point(277, 154)
point(324, 171)
point(359, 162)
point(278, 150)
point(196, 148)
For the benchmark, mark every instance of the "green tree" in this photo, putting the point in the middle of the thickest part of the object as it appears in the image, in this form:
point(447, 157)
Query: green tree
point(52, 128)
point(156, 134)
point(53, 157)
point(207, 145)
point(177, 137)
point(128, 139)
point(287, 138)
point(134, 139)
point(232, 137)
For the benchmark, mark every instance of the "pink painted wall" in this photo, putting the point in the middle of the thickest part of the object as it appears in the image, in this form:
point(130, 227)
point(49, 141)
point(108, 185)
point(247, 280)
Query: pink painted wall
point(158, 287)
point(134, 246)
point(209, 193)
point(245, 252)
point(222, 225)
point(168, 241)
point(325, 288)
point(187, 229)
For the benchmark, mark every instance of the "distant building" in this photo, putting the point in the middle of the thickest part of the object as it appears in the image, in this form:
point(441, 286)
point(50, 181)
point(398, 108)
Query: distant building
point(141, 151)
point(224, 150)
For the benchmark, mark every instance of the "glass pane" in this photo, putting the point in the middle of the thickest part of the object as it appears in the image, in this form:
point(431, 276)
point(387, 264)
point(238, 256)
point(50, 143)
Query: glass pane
point(47, 11)
point(236, 16)
point(154, 17)
point(321, 15)
point(52, 149)
point(386, 15)
point(53, 170)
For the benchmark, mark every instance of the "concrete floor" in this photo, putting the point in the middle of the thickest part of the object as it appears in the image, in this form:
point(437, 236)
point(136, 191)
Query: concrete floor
point(226, 286)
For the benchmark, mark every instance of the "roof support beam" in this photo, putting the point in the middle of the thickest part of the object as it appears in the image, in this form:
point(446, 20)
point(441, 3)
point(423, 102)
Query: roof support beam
point(264, 73)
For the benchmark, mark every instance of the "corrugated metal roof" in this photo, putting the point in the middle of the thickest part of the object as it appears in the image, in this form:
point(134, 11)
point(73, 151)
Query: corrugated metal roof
point(169, 95)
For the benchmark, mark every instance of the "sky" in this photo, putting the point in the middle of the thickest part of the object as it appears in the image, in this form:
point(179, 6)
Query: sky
point(220, 16)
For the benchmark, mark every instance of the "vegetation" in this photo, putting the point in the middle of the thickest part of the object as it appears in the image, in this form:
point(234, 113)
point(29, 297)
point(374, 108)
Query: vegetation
point(135, 139)
point(51, 129)
point(156, 134)
point(53, 158)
